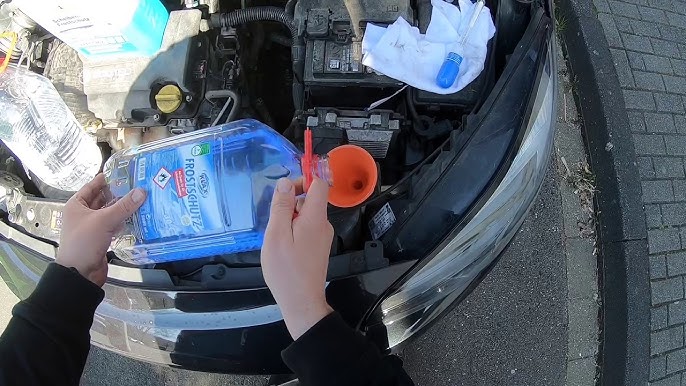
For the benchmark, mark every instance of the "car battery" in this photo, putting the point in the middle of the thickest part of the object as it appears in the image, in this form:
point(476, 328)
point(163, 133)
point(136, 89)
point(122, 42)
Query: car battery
point(333, 32)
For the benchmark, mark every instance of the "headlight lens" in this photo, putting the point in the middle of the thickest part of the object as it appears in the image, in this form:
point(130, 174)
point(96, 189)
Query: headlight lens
point(450, 271)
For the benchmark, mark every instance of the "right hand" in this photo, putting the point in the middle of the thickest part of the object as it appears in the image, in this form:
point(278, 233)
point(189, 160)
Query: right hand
point(295, 254)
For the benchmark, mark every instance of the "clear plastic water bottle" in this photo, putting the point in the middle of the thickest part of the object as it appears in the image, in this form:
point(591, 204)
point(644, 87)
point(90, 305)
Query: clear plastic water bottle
point(39, 128)
point(209, 192)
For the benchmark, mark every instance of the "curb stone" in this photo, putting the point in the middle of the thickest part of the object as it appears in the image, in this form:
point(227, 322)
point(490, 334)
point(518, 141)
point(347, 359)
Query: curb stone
point(581, 263)
point(623, 246)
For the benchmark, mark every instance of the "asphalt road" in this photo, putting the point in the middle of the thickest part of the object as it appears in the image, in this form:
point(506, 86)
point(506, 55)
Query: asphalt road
point(510, 331)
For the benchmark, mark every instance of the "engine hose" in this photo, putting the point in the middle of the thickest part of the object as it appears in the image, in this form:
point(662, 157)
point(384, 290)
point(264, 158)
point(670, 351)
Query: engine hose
point(252, 14)
point(247, 15)
point(290, 7)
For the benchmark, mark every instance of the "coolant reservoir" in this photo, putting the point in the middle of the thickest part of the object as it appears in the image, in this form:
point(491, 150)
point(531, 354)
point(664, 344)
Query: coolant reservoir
point(102, 27)
point(209, 192)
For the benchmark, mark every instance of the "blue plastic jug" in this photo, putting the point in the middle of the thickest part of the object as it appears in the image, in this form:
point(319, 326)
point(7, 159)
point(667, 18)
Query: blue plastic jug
point(209, 191)
point(102, 27)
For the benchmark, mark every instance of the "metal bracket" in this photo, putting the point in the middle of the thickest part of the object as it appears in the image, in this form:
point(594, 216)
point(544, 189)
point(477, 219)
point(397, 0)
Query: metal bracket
point(37, 216)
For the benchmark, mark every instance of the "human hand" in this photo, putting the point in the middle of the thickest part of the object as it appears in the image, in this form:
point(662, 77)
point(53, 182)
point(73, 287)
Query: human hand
point(295, 254)
point(88, 228)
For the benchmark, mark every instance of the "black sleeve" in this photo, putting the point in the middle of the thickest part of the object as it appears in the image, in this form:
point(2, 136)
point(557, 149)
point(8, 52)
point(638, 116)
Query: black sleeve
point(331, 353)
point(47, 340)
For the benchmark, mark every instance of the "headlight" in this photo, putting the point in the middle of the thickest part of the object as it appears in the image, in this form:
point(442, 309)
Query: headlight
point(435, 286)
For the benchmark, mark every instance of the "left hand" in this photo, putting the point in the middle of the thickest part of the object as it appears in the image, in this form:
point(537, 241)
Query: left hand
point(88, 228)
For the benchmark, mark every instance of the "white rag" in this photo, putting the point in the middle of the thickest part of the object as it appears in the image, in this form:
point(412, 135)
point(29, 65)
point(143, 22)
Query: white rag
point(401, 52)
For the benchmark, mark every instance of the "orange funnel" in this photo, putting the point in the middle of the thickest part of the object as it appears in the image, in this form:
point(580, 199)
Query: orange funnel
point(354, 176)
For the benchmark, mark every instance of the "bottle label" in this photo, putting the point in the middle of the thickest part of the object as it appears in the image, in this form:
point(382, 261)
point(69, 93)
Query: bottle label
point(183, 194)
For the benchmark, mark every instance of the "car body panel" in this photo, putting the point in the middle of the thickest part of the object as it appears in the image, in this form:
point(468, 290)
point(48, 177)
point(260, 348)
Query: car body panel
point(493, 219)
point(218, 331)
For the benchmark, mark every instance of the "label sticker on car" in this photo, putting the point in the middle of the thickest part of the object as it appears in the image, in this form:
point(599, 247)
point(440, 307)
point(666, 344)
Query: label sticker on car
point(56, 220)
point(382, 221)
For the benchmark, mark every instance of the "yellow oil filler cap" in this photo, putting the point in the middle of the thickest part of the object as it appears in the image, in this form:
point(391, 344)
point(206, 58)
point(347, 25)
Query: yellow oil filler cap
point(168, 99)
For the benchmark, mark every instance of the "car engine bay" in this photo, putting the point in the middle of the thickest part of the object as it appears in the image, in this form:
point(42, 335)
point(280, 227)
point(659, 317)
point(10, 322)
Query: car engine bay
point(290, 64)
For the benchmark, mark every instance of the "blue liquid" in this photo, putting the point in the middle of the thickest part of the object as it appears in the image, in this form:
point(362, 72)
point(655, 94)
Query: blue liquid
point(449, 70)
point(143, 36)
point(209, 191)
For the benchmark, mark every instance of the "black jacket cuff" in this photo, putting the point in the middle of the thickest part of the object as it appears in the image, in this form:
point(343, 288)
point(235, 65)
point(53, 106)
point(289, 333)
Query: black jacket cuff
point(63, 292)
point(331, 351)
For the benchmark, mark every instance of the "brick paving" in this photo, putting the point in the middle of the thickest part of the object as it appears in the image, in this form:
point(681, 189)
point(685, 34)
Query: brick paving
point(647, 41)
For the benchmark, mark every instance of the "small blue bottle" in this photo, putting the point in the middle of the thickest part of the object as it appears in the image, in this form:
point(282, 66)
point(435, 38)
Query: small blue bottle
point(208, 192)
point(450, 69)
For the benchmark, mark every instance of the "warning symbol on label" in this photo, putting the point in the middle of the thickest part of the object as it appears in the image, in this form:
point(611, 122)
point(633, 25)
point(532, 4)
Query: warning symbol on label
point(162, 178)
